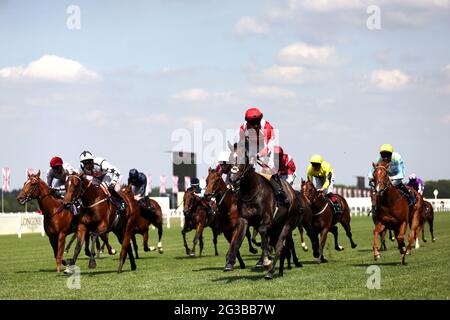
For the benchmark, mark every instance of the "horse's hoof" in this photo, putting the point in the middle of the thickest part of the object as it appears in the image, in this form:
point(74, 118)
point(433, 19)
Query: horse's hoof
point(152, 248)
point(100, 252)
point(339, 248)
point(92, 265)
point(392, 239)
point(192, 254)
point(304, 247)
point(354, 246)
point(324, 260)
point(377, 257)
point(268, 276)
point(228, 267)
point(242, 266)
point(113, 252)
point(433, 240)
point(298, 265)
point(408, 252)
point(68, 271)
point(161, 250)
point(66, 251)
point(64, 262)
point(146, 249)
point(133, 268)
point(253, 250)
point(119, 271)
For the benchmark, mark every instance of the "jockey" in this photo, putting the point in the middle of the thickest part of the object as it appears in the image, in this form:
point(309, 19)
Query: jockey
point(57, 174)
point(416, 183)
point(138, 182)
point(262, 140)
point(324, 178)
point(223, 166)
point(396, 172)
point(198, 191)
point(285, 164)
point(104, 174)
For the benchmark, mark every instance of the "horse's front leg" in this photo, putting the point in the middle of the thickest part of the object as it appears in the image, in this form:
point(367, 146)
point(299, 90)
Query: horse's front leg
point(74, 236)
point(60, 252)
point(278, 251)
point(413, 231)
point(126, 248)
point(334, 231)
point(237, 237)
point(198, 234)
point(379, 227)
point(263, 260)
point(94, 238)
point(81, 234)
point(145, 241)
point(323, 241)
point(400, 235)
point(250, 246)
point(183, 233)
point(135, 246)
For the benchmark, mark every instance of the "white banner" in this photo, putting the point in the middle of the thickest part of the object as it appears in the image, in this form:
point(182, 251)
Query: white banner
point(6, 182)
point(175, 184)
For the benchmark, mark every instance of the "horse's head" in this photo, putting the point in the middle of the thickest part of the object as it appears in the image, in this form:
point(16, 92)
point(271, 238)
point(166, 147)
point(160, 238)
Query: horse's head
point(381, 177)
point(75, 188)
point(241, 162)
point(31, 188)
point(309, 190)
point(126, 189)
point(190, 200)
point(214, 184)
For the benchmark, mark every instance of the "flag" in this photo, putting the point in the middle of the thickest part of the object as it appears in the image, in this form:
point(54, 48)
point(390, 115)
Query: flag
point(187, 183)
point(175, 184)
point(149, 184)
point(162, 186)
point(6, 179)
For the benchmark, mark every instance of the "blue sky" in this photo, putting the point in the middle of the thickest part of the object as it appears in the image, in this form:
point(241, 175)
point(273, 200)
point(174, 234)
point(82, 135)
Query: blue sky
point(133, 74)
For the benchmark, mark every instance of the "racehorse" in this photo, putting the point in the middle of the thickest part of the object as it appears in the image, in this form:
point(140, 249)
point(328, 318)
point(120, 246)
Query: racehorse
point(98, 216)
point(227, 218)
point(393, 211)
point(150, 213)
point(426, 216)
point(196, 217)
point(324, 220)
point(57, 225)
point(258, 206)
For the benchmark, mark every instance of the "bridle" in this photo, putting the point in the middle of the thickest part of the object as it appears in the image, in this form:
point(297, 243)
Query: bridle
point(314, 199)
point(29, 195)
point(386, 181)
point(81, 191)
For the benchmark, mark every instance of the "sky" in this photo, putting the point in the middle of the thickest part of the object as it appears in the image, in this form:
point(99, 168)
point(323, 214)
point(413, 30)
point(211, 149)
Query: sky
point(130, 82)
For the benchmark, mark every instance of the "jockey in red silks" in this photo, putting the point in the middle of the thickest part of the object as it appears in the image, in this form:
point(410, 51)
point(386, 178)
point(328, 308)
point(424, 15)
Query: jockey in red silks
point(261, 138)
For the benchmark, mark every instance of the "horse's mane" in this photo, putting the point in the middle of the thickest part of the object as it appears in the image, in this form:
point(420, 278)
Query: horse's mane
point(383, 163)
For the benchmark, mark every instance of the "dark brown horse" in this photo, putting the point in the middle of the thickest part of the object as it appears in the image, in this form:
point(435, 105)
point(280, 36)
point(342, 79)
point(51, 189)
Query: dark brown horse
point(150, 213)
point(428, 217)
point(393, 211)
point(258, 206)
point(227, 219)
point(196, 217)
point(324, 220)
point(98, 216)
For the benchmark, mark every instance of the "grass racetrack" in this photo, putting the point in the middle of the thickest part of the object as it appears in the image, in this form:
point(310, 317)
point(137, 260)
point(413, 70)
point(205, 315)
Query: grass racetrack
point(28, 270)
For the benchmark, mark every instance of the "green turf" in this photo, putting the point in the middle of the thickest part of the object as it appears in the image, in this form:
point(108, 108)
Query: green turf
point(28, 271)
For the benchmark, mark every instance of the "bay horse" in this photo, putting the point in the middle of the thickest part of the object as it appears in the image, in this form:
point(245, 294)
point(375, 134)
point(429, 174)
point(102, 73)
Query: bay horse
point(196, 217)
point(98, 216)
point(393, 211)
point(257, 204)
point(428, 216)
point(227, 219)
point(324, 220)
point(150, 213)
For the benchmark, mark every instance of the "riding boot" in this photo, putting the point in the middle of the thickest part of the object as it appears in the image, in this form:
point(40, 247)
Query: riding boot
point(118, 201)
point(409, 195)
point(336, 206)
point(275, 182)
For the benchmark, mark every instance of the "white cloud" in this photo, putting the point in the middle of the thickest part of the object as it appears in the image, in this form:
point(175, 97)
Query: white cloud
point(272, 92)
point(247, 25)
point(389, 79)
point(302, 53)
point(288, 73)
point(50, 67)
point(192, 95)
point(325, 5)
point(154, 118)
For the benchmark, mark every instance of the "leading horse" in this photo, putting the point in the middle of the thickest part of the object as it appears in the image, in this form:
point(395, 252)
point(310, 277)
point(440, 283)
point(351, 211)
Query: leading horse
point(393, 211)
point(257, 204)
